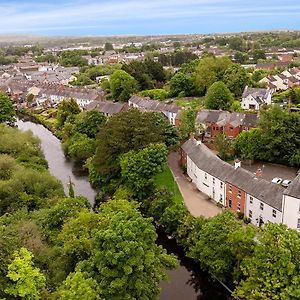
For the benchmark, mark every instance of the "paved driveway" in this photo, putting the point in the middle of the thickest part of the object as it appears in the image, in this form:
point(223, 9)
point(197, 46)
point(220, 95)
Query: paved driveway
point(196, 202)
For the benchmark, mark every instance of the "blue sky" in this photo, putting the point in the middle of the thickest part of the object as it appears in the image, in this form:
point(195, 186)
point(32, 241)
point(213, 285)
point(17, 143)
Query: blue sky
point(115, 17)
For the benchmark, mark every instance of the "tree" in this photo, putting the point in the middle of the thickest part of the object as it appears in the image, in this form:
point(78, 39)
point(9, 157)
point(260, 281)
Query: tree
point(241, 57)
point(122, 85)
point(224, 146)
point(125, 261)
point(7, 112)
point(208, 71)
point(237, 43)
point(108, 46)
point(236, 106)
point(78, 286)
point(272, 271)
point(258, 54)
point(236, 78)
point(218, 96)
point(80, 147)
point(156, 94)
point(212, 248)
point(181, 84)
point(187, 123)
point(26, 281)
point(66, 108)
point(138, 169)
point(131, 130)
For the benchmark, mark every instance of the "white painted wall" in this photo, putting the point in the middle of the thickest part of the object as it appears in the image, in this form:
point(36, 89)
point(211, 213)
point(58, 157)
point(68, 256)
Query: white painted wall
point(266, 213)
point(291, 211)
point(206, 183)
point(249, 100)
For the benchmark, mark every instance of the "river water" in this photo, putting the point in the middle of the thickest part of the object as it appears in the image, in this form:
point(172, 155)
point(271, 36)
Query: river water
point(186, 282)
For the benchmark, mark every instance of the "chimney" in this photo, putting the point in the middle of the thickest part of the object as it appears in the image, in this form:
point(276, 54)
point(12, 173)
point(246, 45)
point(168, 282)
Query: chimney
point(258, 172)
point(237, 164)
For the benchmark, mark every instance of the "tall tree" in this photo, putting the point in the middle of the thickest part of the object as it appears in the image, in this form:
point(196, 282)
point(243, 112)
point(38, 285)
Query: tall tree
point(26, 281)
point(122, 85)
point(138, 169)
point(126, 261)
point(272, 271)
point(66, 108)
point(7, 111)
point(218, 96)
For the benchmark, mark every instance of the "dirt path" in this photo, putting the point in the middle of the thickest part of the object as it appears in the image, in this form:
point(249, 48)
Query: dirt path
point(196, 202)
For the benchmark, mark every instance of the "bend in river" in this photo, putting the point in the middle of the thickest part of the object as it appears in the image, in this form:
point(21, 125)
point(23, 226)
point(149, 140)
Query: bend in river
point(187, 282)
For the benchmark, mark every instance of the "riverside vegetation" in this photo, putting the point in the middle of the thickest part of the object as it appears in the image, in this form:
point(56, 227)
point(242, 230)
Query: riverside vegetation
point(66, 251)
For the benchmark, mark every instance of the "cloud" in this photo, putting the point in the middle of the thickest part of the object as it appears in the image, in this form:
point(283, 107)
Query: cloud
point(46, 16)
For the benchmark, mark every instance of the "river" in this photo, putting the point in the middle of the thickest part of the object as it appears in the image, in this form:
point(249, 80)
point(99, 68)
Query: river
point(186, 282)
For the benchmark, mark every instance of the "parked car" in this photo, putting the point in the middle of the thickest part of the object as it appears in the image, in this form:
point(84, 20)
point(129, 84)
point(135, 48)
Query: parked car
point(277, 180)
point(286, 182)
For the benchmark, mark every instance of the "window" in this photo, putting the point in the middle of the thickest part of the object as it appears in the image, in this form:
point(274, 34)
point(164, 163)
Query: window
point(221, 197)
point(221, 186)
point(261, 206)
point(205, 176)
point(251, 200)
point(230, 202)
point(239, 206)
point(274, 213)
point(298, 224)
point(214, 180)
point(250, 213)
point(239, 193)
point(230, 188)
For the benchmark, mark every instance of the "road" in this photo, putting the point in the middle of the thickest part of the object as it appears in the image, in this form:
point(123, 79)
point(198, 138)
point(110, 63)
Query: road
point(196, 202)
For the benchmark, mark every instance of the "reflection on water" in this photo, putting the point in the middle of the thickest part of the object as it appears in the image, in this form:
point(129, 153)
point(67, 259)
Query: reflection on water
point(59, 166)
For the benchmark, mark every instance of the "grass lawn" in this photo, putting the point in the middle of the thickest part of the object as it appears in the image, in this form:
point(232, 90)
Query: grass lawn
point(165, 179)
point(194, 103)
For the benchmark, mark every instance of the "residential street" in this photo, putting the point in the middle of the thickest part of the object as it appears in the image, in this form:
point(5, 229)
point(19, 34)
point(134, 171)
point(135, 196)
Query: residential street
point(196, 202)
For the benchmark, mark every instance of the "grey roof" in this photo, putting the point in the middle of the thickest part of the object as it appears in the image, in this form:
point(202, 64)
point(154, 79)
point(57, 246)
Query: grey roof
point(256, 92)
point(211, 116)
point(259, 188)
point(221, 118)
point(293, 189)
point(153, 105)
point(107, 107)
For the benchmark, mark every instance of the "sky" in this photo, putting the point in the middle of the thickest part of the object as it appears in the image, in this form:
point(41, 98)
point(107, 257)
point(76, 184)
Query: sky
point(140, 17)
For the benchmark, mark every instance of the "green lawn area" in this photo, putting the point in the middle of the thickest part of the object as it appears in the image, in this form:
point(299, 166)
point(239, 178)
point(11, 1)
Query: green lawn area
point(165, 179)
point(194, 103)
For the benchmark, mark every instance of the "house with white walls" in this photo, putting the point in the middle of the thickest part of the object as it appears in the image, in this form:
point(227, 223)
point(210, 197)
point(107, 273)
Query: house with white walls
point(240, 190)
point(291, 204)
point(253, 98)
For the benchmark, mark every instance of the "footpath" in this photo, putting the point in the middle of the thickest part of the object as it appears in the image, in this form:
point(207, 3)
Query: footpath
point(196, 202)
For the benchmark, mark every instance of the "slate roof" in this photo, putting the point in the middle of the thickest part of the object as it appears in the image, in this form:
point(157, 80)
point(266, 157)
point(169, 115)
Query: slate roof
point(259, 188)
point(153, 105)
point(107, 107)
point(221, 118)
point(256, 92)
point(293, 189)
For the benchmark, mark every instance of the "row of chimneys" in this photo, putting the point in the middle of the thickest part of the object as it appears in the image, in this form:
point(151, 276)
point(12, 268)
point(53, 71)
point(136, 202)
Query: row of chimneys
point(237, 162)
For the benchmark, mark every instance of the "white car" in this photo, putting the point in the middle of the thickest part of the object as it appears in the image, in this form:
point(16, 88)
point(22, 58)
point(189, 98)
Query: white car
point(277, 180)
point(286, 182)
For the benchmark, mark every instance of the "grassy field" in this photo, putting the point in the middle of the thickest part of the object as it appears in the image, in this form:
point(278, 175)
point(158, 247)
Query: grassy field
point(165, 179)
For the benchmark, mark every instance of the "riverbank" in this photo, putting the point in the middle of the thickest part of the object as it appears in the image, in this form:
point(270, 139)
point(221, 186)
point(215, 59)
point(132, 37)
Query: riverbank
point(182, 279)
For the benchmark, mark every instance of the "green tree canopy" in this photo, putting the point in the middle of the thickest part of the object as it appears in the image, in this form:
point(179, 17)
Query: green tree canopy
point(7, 111)
point(138, 169)
point(125, 261)
point(66, 108)
point(181, 84)
point(26, 281)
point(122, 85)
point(218, 96)
point(272, 271)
